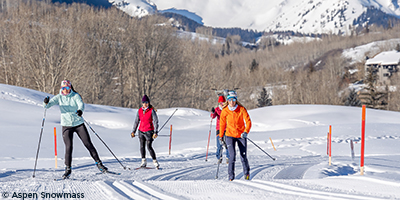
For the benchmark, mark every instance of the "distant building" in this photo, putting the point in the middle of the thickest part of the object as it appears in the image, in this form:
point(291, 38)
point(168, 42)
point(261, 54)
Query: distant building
point(385, 64)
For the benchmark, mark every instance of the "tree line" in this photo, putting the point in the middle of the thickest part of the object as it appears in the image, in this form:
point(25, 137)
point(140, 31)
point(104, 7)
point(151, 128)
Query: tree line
point(114, 59)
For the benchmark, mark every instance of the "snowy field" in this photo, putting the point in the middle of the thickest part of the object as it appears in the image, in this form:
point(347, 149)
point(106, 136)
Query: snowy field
point(299, 133)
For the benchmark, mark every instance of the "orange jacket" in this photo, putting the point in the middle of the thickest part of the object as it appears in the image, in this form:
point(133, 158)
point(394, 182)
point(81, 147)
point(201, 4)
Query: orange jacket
point(234, 122)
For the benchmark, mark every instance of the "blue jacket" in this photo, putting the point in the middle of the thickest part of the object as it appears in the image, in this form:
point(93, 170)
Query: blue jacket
point(69, 104)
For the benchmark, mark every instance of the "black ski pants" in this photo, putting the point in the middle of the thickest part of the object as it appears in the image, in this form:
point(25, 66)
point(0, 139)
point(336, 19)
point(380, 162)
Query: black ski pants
point(146, 138)
point(68, 133)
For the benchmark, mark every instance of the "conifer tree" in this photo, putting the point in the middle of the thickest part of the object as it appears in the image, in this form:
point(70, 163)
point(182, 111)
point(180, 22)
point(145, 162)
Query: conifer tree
point(352, 99)
point(264, 99)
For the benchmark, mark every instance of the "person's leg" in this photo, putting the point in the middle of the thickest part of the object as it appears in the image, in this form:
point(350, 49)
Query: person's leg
point(242, 144)
point(67, 133)
point(142, 142)
point(219, 148)
point(149, 141)
point(227, 152)
point(85, 138)
point(218, 143)
point(230, 142)
point(148, 137)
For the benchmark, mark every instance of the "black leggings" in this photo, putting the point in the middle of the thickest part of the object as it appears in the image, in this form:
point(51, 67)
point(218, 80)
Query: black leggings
point(146, 137)
point(68, 133)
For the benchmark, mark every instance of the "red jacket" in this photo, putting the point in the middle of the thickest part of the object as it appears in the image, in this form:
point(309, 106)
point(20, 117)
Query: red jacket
point(146, 120)
point(235, 122)
point(217, 114)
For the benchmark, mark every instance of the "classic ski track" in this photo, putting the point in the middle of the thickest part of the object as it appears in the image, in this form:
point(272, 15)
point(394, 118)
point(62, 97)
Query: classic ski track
point(142, 186)
point(138, 190)
point(293, 172)
point(298, 191)
point(175, 175)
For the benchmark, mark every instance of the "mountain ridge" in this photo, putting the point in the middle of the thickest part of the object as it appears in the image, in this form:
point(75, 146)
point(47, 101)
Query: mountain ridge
point(305, 16)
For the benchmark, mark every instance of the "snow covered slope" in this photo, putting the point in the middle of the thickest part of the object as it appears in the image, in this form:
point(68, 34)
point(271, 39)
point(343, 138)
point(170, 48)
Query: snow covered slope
point(306, 16)
point(298, 132)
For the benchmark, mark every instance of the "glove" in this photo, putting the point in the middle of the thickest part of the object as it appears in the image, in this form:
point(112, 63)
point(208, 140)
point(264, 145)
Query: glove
point(155, 135)
point(244, 135)
point(213, 110)
point(46, 100)
point(132, 134)
point(79, 113)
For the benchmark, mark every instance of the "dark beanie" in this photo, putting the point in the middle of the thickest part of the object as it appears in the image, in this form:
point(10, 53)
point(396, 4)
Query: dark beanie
point(145, 98)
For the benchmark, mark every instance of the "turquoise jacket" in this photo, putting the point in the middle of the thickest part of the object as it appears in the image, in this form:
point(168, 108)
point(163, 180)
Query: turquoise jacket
point(69, 104)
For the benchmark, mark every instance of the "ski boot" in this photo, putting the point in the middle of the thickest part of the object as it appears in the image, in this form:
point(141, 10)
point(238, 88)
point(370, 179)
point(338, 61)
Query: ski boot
point(155, 162)
point(101, 167)
point(67, 172)
point(227, 160)
point(144, 162)
point(247, 177)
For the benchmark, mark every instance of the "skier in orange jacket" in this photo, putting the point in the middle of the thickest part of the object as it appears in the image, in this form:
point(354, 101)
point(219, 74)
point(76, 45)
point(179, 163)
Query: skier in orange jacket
point(236, 121)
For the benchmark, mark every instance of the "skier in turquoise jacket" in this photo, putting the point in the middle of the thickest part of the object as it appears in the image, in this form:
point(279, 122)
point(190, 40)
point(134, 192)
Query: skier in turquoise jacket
point(71, 107)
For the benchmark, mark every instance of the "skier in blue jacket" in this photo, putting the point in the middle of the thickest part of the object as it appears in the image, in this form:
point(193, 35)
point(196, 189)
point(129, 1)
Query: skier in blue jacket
point(71, 107)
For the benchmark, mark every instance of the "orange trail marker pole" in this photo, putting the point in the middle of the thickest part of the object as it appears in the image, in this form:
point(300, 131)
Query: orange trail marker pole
point(327, 144)
point(55, 146)
point(272, 143)
point(170, 139)
point(330, 144)
point(362, 139)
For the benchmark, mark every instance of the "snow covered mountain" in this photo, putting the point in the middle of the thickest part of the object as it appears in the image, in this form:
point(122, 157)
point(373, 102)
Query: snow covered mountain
point(305, 16)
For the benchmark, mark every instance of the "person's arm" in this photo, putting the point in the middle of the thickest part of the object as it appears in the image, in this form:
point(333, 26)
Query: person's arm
point(79, 102)
point(155, 120)
point(53, 101)
point(136, 122)
point(222, 124)
point(247, 119)
point(213, 113)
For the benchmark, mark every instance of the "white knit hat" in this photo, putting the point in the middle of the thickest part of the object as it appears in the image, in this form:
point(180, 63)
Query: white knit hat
point(231, 94)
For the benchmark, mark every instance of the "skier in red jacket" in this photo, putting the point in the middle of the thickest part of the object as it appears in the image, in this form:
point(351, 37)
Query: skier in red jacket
point(217, 113)
point(148, 120)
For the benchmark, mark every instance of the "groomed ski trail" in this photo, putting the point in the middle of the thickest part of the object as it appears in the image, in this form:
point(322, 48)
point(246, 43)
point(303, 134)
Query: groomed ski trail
point(298, 191)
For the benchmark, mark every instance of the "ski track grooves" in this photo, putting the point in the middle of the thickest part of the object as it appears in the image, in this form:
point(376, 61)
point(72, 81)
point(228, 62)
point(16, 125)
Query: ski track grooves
point(293, 172)
point(175, 175)
point(297, 191)
point(138, 190)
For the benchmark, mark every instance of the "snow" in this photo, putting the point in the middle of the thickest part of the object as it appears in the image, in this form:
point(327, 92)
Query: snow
point(298, 132)
point(359, 53)
point(305, 16)
point(385, 58)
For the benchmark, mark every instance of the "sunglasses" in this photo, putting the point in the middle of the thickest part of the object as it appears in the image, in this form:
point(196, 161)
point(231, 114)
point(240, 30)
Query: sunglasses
point(65, 88)
point(232, 99)
point(145, 102)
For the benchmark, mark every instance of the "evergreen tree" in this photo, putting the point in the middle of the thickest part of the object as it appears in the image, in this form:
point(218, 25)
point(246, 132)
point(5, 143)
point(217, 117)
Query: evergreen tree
point(375, 98)
point(264, 99)
point(352, 99)
point(254, 65)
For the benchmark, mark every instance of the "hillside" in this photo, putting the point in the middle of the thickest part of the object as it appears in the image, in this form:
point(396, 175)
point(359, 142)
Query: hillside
point(298, 132)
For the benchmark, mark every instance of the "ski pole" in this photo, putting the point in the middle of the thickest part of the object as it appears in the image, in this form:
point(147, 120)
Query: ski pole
point(167, 120)
point(220, 157)
point(105, 144)
point(209, 135)
point(261, 149)
point(40, 139)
